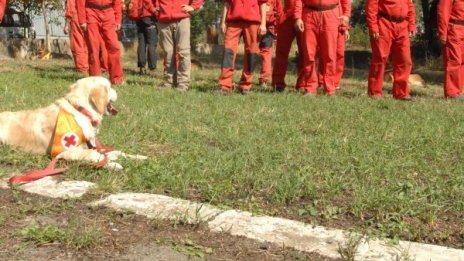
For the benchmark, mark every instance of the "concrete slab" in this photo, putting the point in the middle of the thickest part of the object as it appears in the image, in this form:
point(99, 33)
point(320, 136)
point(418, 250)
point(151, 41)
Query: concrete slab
point(50, 187)
point(159, 206)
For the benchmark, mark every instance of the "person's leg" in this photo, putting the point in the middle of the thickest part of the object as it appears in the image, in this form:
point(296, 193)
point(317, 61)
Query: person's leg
point(285, 35)
point(380, 53)
point(402, 64)
point(265, 50)
point(340, 60)
point(114, 53)
point(152, 41)
point(231, 40)
point(250, 37)
point(183, 46)
point(167, 45)
point(307, 77)
point(93, 44)
point(453, 58)
point(79, 48)
point(141, 48)
point(328, 35)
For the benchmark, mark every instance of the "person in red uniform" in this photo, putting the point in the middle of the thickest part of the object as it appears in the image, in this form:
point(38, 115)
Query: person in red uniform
point(78, 43)
point(241, 17)
point(2, 9)
point(343, 36)
point(390, 23)
point(174, 33)
point(286, 33)
point(273, 12)
point(450, 18)
point(319, 21)
point(102, 19)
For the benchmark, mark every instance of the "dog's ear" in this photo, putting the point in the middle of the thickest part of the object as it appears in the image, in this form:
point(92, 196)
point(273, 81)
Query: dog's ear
point(99, 98)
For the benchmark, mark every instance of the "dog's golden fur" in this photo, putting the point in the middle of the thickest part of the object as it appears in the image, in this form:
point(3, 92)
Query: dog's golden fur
point(414, 79)
point(33, 130)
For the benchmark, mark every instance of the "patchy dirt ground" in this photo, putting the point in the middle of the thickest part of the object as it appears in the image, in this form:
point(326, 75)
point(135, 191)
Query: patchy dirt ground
point(37, 228)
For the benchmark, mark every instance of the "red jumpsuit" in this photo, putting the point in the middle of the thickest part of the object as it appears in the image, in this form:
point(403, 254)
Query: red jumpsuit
point(393, 20)
point(450, 17)
point(265, 44)
point(78, 44)
point(286, 33)
point(339, 61)
point(2, 9)
point(321, 23)
point(101, 17)
point(243, 18)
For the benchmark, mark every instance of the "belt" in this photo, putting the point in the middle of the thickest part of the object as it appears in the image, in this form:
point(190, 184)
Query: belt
point(99, 7)
point(394, 19)
point(454, 21)
point(320, 8)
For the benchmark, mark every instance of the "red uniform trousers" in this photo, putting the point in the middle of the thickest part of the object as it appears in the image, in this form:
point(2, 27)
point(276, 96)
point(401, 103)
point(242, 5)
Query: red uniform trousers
point(106, 31)
point(320, 32)
point(80, 52)
point(265, 50)
point(285, 34)
point(394, 37)
point(453, 56)
point(339, 62)
point(232, 38)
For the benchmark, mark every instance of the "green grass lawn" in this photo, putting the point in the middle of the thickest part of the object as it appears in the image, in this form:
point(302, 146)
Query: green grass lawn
point(387, 168)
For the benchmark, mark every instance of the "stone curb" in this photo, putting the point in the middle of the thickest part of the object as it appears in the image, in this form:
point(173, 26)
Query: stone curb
point(280, 231)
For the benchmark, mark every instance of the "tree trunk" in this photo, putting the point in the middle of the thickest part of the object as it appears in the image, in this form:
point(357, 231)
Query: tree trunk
point(47, 27)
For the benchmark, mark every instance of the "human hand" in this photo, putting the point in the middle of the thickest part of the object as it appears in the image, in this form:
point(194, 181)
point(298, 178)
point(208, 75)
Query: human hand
point(347, 35)
point(345, 20)
point(262, 30)
point(299, 26)
point(375, 35)
point(187, 8)
point(117, 27)
point(223, 27)
point(412, 33)
point(66, 28)
point(443, 42)
point(84, 27)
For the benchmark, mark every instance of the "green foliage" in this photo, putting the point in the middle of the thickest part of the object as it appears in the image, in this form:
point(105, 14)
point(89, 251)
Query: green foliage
point(359, 37)
point(208, 15)
point(191, 249)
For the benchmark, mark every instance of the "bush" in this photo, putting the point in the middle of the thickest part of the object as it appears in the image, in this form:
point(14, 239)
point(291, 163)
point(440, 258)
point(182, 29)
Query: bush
point(359, 37)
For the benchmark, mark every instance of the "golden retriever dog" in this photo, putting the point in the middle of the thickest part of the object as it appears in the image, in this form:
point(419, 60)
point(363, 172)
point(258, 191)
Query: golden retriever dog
point(414, 79)
point(87, 101)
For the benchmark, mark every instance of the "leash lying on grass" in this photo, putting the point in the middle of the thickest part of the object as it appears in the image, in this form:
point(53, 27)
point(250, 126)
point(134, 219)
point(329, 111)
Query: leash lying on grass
point(50, 170)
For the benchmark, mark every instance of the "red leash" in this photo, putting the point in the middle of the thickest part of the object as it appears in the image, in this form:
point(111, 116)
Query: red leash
point(50, 169)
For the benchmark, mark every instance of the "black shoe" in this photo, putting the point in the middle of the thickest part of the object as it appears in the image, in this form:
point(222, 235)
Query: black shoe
point(278, 88)
point(142, 71)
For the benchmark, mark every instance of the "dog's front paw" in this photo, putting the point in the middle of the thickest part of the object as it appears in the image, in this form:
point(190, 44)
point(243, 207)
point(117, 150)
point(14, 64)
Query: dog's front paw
point(113, 166)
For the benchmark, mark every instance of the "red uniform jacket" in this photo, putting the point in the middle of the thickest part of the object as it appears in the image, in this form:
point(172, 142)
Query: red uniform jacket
point(103, 15)
point(394, 8)
point(2, 9)
point(345, 6)
point(71, 10)
point(274, 13)
point(171, 10)
point(446, 10)
point(244, 10)
point(289, 10)
point(148, 8)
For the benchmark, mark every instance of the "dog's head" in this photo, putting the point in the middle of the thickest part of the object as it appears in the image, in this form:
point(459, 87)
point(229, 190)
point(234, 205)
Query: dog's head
point(93, 93)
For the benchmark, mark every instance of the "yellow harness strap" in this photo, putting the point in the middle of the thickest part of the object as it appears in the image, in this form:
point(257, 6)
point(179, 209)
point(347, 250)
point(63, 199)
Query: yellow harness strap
point(68, 134)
